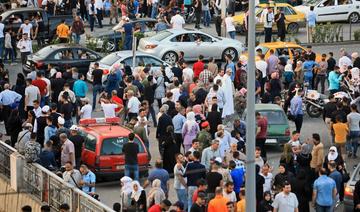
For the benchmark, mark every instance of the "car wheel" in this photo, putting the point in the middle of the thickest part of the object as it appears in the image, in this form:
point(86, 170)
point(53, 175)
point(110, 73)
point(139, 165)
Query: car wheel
point(354, 17)
point(170, 57)
point(293, 28)
point(230, 51)
point(110, 46)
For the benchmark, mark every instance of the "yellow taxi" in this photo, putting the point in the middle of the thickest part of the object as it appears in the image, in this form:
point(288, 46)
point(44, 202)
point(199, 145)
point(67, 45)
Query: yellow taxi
point(288, 47)
point(294, 18)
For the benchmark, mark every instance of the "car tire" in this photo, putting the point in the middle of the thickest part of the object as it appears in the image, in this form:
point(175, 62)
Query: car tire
point(292, 28)
point(354, 17)
point(110, 46)
point(230, 51)
point(170, 57)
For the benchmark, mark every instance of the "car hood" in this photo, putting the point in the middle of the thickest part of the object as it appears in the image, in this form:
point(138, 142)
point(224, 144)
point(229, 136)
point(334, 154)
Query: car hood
point(304, 9)
point(34, 57)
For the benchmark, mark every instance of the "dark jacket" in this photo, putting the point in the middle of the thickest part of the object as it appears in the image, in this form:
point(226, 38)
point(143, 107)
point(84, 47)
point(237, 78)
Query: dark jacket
point(164, 121)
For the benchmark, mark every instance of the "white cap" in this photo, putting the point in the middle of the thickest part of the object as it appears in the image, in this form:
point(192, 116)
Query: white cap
point(74, 127)
point(61, 120)
point(45, 109)
point(218, 160)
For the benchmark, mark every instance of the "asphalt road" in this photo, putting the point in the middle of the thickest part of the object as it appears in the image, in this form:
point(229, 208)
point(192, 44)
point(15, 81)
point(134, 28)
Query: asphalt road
point(109, 191)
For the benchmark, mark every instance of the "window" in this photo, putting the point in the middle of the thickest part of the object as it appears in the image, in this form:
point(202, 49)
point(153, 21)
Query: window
point(344, 2)
point(161, 35)
point(263, 49)
point(114, 146)
point(65, 54)
point(44, 52)
point(129, 61)
point(289, 11)
point(281, 51)
point(202, 37)
point(183, 38)
point(274, 116)
point(328, 3)
point(150, 60)
point(86, 55)
point(110, 59)
point(90, 142)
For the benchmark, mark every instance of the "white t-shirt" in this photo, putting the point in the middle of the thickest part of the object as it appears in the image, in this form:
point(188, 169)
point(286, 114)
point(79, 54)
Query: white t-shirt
point(345, 61)
point(177, 21)
point(262, 66)
point(26, 28)
point(229, 23)
point(37, 112)
point(109, 109)
point(86, 111)
point(48, 85)
point(133, 105)
point(32, 93)
point(176, 94)
point(1, 30)
point(231, 197)
point(268, 180)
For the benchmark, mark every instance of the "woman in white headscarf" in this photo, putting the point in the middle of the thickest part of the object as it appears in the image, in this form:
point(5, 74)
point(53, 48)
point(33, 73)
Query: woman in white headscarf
point(156, 194)
point(229, 94)
point(334, 155)
point(125, 192)
point(138, 197)
point(190, 130)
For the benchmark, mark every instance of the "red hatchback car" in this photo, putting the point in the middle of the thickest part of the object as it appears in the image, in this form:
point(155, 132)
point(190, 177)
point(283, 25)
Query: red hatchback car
point(102, 150)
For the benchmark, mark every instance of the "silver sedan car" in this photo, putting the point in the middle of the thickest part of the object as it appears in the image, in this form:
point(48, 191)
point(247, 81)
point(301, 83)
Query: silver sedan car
point(168, 43)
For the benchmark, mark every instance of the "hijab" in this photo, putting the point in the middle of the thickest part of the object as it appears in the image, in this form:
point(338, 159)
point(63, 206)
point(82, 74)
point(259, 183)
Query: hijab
point(126, 188)
point(190, 120)
point(136, 194)
point(156, 188)
point(58, 74)
point(332, 155)
point(198, 111)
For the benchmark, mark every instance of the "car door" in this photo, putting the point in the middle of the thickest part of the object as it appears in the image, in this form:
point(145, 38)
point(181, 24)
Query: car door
point(326, 10)
point(343, 9)
point(83, 58)
point(206, 46)
point(62, 58)
point(184, 42)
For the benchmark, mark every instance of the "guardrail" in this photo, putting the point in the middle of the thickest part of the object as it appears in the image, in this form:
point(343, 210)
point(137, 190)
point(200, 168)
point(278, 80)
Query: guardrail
point(46, 187)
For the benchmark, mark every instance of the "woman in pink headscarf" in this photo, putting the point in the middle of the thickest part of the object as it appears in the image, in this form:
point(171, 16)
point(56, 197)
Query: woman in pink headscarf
point(199, 116)
point(57, 84)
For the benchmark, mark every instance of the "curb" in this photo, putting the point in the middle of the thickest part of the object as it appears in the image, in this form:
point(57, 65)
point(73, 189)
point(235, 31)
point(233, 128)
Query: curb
point(332, 44)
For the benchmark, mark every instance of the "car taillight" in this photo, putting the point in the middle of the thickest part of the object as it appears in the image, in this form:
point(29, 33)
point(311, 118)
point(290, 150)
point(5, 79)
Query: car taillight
point(287, 132)
point(106, 71)
point(97, 160)
point(348, 191)
point(39, 64)
point(151, 46)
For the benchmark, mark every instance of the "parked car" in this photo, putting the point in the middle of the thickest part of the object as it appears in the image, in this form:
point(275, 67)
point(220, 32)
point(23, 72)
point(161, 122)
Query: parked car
point(112, 38)
point(294, 19)
point(279, 47)
point(349, 190)
point(333, 10)
point(102, 151)
point(126, 58)
point(168, 43)
point(278, 131)
point(62, 56)
point(50, 22)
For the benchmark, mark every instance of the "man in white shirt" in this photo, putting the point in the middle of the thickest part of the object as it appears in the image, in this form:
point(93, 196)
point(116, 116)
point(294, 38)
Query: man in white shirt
point(32, 93)
point(25, 46)
point(85, 111)
point(108, 108)
point(48, 86)
point(188, 73)
point(27, 28)
point(267, 17)
point(177, 21)
point(286, 201)
point(133, 105)
point(2, 38)
point(99, 5)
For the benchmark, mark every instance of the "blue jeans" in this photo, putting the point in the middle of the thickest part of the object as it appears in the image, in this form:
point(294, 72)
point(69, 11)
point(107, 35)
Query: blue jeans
point(232, 34)
point(132, 169)
point(182, 196)
point(354, 139)
point(76, 38)
point(2, 46)
point(320, 208)
point(68, 123)
point(308, 78)
point(207, 18)
point(128, 42)
point(9, 54)
point(154, 10)
point(191, 190)
point(96, 89)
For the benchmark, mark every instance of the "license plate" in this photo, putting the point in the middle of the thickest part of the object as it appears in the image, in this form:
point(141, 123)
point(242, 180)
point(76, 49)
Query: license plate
point(119, 167)
point(271, 141)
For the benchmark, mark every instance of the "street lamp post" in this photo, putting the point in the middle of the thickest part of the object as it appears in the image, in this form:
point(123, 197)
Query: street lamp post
point(250, 117)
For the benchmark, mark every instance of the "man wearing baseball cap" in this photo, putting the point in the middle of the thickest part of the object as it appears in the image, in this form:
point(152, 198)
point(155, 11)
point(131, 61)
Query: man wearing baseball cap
point(78, 141)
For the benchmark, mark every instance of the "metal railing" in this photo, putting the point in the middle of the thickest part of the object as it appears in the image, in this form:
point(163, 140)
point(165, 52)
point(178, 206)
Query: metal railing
point(48, 188)
point(5, 152)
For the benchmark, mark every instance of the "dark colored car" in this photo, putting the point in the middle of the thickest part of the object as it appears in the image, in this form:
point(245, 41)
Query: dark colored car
point(50, 22)
point(62, 56)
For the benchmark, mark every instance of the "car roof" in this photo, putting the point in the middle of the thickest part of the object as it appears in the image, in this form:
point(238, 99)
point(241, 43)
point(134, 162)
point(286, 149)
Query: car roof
point(23, 9)
point(127, 53)
point(107, 130)
point(184, 30)
point(66, 45)
point(275, 4)
point(260, 107)
point(279, 44)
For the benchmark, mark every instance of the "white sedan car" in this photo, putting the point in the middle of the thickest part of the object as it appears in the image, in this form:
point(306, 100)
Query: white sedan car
point(167, 45)
point(333, 10)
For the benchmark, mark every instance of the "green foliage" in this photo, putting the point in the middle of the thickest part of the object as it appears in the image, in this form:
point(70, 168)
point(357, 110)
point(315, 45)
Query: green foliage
point(357, 35)
point(327, 33)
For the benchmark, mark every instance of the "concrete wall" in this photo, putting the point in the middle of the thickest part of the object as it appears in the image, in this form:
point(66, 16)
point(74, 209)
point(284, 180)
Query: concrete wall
point(11, 201)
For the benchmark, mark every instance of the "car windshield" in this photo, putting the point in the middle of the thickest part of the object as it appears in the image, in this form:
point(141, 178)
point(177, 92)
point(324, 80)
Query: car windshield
point(110, 59)
point(44, 52)
point(114, 146)
point(274, 116)
point(263, 49)
point(311, 2)
point(161, 35)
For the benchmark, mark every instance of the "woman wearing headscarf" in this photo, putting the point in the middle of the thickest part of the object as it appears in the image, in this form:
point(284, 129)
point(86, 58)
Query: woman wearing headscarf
point(15, 126)
point(335, 156)
point(170, 149)
point(189, 130)
point(214, 119)
point(20, 89)
point(287, 158)
point(281, 177)
point(288, 74)
point(301, 187)
point(228, 88)
point(125, 192)
point(156, 194)
point(275, 85)
point(299, 73)
point(266, 203)
point(138, 197)
point(304, 157)
point(160, 87)
point(199, 116)
point(57, 85)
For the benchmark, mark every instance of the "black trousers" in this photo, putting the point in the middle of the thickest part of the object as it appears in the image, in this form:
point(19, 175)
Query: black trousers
point(198, 19)
point(260, 142)
point(24, 57)
point(179, 141)
point(268, 34)
point(5, 113)
point(298, 122)
point(99, 17)
point(132, 115)
point(320, 79)
point(218, 25)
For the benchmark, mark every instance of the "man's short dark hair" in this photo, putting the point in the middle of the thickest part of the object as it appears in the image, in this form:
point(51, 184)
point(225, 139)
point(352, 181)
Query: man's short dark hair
point(26, 208)
point(131, 136)
point(201, 57)
point(316, 136)
point(229, 183)
point(201, 182)
point(64, 206)
point(286, 183)
point(45, 208)
point(196, 154)
point(158, 164)
point(194, 140)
